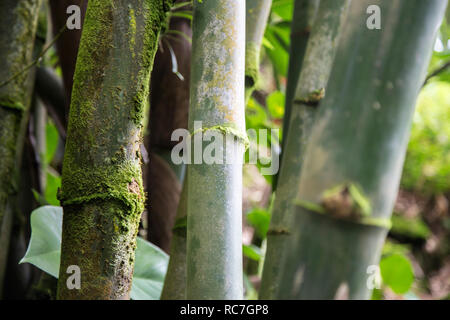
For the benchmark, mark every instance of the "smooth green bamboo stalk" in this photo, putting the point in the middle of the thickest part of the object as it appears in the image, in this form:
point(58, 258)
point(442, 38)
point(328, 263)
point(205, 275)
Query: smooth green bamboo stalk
point(354, 157)
point(17, 32)
point(101, 192)
point(256, 21)
point(316, 69)
point(175, 281)
point(305, 12)
point(214, 238)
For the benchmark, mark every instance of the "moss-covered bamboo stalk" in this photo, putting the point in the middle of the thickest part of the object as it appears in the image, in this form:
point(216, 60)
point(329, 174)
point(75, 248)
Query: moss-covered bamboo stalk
point(256, 21)
point(302, 21)
point(315, 72)
point(355, 153)
point(18, 25)
point(102, 193)
point(175, 281)
point(214, 237)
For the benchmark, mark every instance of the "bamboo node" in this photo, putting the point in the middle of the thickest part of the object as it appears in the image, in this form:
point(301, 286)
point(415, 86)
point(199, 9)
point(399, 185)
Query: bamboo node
point(277, 231)
point(8, 103)
point(312, 99)
point(241, 136)
point(346, 202)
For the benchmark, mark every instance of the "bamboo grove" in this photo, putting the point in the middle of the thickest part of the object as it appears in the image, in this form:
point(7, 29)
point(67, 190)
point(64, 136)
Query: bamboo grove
point(134, 222)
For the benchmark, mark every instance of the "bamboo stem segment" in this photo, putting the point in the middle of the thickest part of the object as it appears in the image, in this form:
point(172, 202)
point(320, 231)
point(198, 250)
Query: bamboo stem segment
point(315, 72)
point(214, 223)
point(102, 193)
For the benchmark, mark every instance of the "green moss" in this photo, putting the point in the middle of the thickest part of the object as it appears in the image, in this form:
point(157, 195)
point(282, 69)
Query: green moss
point(11, 104)
point(102, 191)
point(122, 182)
point(155, 14)
point(91, 62)
point(16, 52)
point(132, 31)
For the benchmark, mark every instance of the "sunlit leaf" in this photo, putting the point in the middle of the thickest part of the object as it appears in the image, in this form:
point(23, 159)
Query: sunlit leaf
point(397, 273)
point(51, 135)
point(275, 104)
point(252, 252)
point(260, 220)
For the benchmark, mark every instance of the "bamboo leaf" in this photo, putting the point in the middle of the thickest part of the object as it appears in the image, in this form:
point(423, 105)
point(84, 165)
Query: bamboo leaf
point(260, 220)
point(252, 252)
point(51, 134)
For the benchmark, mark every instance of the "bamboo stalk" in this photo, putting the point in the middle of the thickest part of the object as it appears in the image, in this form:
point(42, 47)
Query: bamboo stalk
point(214, 237)
point(175, 281)
point(17, 32)
point(256, 20)
point(305, 12)
point(316, 69)
point(354, 157)
point(102, 193)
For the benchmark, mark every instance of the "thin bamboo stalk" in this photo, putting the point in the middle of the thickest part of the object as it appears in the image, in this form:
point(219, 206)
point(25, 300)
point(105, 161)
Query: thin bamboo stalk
point(256, 20)
point(175, 281)
point(305, 12)
point(316, 69)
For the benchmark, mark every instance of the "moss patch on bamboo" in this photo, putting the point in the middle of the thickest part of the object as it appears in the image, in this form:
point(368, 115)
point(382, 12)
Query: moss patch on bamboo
point(9, 103)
